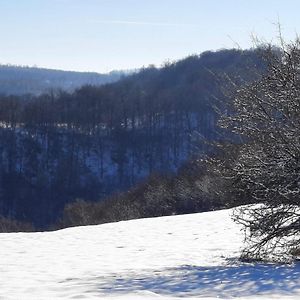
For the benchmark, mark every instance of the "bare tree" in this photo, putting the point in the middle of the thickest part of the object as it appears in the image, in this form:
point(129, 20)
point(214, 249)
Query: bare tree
point(266, 115)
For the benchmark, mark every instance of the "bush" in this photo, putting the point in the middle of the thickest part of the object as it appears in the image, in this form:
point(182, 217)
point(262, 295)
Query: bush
point(190, 191)
point(9, 225)
point(266, 167)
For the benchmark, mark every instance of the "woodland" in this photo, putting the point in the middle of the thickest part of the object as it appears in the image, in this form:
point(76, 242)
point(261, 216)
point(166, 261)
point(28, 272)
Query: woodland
point(122, 150)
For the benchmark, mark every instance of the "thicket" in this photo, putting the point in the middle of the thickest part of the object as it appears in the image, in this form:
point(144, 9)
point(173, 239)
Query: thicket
point(10, 225)
point(191, 190)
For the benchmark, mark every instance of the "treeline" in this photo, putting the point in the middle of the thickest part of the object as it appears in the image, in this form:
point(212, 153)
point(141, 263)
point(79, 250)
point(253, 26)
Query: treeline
point(59, 147)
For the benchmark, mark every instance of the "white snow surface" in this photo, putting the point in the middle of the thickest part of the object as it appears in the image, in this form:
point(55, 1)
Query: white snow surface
point(188, 256)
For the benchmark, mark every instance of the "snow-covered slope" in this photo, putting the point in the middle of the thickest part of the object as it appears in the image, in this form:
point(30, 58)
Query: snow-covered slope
point(190, 256)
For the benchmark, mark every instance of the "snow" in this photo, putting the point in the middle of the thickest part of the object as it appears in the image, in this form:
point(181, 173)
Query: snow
point(189, 256)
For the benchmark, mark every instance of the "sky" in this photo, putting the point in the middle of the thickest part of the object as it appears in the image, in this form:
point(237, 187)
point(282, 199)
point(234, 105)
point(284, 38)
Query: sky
point(105, 35)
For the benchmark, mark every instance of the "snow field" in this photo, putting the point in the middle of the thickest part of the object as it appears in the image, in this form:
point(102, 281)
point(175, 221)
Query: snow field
point(191, 256)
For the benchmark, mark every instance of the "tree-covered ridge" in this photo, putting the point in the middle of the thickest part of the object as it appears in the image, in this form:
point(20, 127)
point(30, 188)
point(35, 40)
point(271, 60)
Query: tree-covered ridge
point(16, 80)
point(58, 147)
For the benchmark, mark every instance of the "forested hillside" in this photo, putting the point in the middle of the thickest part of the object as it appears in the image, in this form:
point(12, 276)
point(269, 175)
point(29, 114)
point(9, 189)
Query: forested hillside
point(15, 80)
point(59, 147)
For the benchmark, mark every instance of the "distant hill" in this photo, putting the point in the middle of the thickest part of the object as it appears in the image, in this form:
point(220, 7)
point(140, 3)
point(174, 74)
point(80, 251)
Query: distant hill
point(59, 147)
point(17, 80)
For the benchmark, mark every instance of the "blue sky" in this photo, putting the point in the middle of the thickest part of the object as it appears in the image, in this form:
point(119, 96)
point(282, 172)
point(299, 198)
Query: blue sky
point(102, 35)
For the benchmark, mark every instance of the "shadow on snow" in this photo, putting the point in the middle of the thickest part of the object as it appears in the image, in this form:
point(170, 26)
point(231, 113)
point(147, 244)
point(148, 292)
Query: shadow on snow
point(217, 281)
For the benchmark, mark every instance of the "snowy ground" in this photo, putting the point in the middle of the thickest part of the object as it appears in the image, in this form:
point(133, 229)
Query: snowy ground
point(190, 256)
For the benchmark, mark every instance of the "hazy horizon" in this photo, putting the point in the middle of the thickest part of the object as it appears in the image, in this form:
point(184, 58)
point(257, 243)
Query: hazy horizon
point(106, 35)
